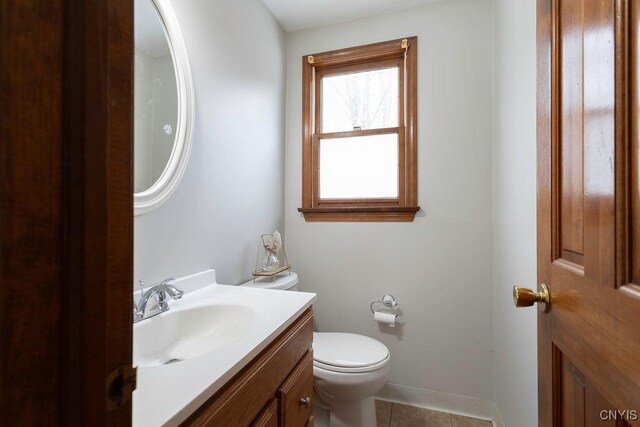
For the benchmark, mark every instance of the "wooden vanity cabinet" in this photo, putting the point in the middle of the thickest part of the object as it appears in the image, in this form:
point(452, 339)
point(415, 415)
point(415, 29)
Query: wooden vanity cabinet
point(268, 417)
point(273, 390)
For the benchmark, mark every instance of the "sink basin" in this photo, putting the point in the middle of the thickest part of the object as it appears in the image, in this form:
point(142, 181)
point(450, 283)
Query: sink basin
point(186, 332)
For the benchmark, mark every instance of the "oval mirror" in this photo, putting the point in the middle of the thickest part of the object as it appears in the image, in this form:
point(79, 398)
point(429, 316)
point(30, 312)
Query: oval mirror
point(163, 104)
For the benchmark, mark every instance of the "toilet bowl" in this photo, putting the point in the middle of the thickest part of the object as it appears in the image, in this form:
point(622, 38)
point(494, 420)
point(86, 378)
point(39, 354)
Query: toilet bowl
point(348, 369)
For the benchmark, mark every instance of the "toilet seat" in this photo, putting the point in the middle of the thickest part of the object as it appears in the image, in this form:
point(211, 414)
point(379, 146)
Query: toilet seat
point(348, 353)
point(363, 369)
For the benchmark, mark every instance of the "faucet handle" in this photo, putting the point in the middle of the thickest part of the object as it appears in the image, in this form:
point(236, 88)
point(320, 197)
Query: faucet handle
point(168, 281)
point(141, 285)
point(136, 313)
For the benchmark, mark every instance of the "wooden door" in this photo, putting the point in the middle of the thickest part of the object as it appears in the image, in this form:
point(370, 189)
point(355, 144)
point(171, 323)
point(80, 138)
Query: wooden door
point(66, 211)
point(589, 212)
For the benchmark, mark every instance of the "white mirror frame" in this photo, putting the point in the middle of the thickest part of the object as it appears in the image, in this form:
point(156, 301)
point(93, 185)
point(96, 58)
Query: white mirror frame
point(161, 190)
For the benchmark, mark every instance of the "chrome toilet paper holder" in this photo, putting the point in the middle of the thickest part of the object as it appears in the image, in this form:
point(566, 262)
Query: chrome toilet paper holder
point(388, 301)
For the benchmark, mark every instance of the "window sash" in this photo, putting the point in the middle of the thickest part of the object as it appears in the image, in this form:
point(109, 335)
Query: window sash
point(359, 67)
point(318, 134)
point(355, 202)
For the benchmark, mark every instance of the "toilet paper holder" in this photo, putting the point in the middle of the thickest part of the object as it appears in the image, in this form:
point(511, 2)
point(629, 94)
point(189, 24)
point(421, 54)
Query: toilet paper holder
point(388, 301)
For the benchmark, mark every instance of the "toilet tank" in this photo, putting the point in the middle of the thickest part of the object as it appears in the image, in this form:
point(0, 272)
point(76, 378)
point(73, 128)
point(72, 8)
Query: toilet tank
point(283, 281)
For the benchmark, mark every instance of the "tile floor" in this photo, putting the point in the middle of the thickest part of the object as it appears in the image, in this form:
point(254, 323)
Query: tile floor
point(397, 415)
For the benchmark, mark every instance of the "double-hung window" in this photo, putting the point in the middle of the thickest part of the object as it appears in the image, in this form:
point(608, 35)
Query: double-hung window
point(359, 133)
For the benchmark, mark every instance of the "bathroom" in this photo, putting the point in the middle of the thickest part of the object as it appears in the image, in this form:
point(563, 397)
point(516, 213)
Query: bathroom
point(393, 310)
point(438, 267)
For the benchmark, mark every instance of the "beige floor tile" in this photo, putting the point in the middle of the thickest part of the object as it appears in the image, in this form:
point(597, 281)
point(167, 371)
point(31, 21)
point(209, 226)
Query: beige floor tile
point(383, 413)
point(460, 421)
point(410, 416)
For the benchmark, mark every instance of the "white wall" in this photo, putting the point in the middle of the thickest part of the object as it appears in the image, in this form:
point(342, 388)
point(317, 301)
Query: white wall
point(439, 266)
point(232, 190)
point(514, 209)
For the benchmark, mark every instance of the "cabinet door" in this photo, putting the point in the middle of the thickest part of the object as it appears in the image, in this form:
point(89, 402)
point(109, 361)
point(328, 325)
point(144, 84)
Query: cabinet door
point(294, 395)
point(268, 417)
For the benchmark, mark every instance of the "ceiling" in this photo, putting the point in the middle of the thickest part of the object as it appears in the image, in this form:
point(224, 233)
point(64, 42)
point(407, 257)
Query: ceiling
point(296, 15)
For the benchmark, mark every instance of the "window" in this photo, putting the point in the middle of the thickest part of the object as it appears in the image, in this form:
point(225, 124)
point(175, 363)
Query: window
point(359, 133)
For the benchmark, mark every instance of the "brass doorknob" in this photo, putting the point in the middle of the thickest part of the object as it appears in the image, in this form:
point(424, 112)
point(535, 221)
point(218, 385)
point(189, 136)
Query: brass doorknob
point(525, 297)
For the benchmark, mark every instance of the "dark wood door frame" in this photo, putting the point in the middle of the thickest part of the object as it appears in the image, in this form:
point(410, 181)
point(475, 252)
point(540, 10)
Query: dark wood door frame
point(66, 218)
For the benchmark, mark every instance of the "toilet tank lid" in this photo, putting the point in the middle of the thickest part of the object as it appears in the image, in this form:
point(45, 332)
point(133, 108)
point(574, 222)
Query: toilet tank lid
point(346, 350)
point(282, 281)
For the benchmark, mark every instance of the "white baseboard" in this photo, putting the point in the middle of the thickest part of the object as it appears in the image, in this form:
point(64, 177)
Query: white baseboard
point(444, 402)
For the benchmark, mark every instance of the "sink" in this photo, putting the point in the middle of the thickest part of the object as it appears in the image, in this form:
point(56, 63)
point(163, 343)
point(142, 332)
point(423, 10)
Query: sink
point(186, 332)
point(188, 353)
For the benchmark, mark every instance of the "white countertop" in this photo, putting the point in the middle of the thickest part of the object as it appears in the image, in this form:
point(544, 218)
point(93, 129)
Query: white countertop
point(168, 394)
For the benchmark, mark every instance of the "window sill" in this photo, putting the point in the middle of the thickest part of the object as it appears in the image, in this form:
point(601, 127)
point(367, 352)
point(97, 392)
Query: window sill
point(360, 214)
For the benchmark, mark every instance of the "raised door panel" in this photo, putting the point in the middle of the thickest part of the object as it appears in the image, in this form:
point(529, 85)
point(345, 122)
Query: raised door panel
point(600, 139)
point(573, 394)
point(582, 403)
point(571, 140)
point(585, 138)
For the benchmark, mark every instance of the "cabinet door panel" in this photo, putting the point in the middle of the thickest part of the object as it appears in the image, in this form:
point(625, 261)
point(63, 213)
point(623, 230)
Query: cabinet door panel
point(295, 394)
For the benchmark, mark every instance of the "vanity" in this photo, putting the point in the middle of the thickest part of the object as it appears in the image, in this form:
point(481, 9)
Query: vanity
point(226, 356)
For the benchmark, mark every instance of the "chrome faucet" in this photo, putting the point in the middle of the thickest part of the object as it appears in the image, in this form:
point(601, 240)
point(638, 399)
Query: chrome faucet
point(159, 292)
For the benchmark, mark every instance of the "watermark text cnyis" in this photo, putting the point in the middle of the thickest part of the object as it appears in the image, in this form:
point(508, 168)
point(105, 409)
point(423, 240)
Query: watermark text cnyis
point(619, 414)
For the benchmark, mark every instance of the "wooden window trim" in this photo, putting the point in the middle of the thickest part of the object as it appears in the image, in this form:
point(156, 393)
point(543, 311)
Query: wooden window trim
point(368, 57)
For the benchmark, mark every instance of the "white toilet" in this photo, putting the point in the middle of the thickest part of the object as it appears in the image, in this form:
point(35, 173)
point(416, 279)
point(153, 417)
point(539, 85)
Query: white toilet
point(348, 369)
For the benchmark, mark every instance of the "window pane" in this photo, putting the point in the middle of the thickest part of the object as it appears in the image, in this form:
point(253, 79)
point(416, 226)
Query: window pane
point(359, 167)
point(367, 100)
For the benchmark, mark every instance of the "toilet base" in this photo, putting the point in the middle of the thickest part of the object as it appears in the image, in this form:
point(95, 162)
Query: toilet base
point(321, 416)
point(347, 413)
